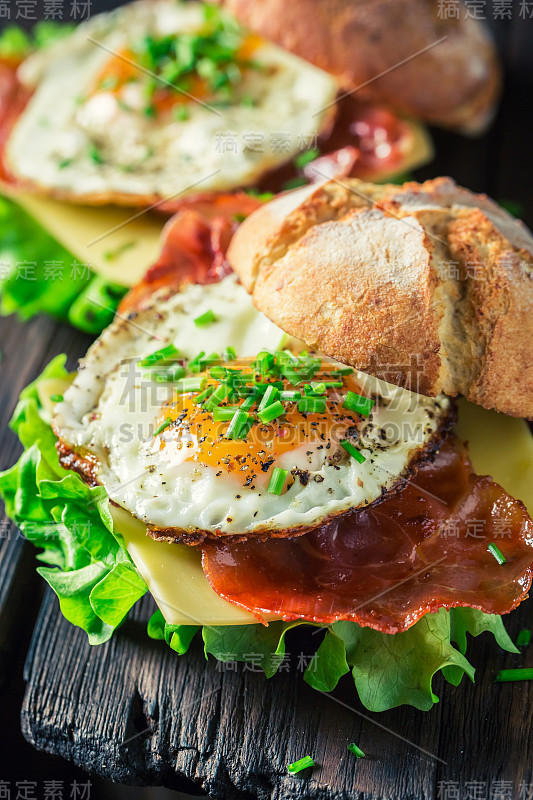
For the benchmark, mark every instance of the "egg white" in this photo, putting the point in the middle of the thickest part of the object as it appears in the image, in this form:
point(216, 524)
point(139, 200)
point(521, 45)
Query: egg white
point(111, 412)
point(51, 142)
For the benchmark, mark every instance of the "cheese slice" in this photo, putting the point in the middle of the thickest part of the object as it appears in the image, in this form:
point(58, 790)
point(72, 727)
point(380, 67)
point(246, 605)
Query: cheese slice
point(499, 446)
point(176, 580)
point(117, 243)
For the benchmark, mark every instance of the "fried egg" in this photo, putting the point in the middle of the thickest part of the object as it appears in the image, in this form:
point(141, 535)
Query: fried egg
point(160, 98)
point(161, 447)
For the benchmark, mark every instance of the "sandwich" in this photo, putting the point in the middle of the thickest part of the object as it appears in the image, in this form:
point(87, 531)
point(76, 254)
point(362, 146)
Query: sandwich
point(325, 428)
point(167, 105)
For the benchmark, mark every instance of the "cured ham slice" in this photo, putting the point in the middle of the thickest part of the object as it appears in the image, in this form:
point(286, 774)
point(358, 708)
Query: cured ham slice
point(194, 245)
point(384, 567)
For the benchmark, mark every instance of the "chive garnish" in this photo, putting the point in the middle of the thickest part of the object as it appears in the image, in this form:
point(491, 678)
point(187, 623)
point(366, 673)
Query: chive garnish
point(194, 365)
point(298, 766)
point(271, 412)
point(204, 395)
point(238, 427)
point(353, 451)
point(220, 394)
point(277, 480)
point(362, 405)
point(164, 425)
point(305, 157)
point(192, 384)
point(230, 354)
point(56, 398)
point(165, 354)
point(291, 396)
point(270, 396)
point(250, 400)
point(521, 674)
point(342, 371)
point(523, 638)
point(205, 319)
point(169, 375)
point(353, 748)
point(497, 553)
point(224, 413)
point(312, 405)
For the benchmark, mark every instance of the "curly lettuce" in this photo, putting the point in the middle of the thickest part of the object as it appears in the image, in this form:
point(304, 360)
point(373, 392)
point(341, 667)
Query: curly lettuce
point(97, 583)
point(38, 276)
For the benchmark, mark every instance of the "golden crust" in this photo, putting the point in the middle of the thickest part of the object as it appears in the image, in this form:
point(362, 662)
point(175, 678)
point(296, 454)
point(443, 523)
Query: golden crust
point(426, 285)
point(454, 83)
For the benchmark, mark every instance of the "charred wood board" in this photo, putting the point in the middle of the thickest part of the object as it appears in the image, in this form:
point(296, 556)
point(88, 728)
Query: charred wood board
point(133, 711)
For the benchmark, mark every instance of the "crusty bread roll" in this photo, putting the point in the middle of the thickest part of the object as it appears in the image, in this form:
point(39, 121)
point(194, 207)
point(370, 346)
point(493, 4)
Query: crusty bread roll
point(453, 84)
point(428, 286)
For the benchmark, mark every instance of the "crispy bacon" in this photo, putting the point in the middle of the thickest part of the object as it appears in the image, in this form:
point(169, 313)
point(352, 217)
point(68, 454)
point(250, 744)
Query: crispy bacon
point(384, 567)
point(194, 245)
point(13, 99)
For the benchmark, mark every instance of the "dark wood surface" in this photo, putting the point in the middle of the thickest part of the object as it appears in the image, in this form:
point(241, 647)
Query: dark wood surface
point(133, 711)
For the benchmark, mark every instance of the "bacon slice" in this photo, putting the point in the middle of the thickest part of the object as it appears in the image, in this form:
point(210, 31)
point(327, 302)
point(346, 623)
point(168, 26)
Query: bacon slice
point(13, 99)
point(193, 249)
point(384, 567)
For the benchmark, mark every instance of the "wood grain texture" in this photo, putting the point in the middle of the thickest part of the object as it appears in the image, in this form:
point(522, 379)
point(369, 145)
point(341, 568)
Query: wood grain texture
point(134, 711)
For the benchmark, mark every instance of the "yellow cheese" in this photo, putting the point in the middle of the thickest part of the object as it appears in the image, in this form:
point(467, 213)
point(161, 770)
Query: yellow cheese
point(118, 243)
point(175, 578)
point(499, 446)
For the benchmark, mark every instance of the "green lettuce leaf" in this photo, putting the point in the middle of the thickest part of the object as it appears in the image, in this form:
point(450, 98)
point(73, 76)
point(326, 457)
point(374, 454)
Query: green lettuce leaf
point(38, 276)
point(86, 564)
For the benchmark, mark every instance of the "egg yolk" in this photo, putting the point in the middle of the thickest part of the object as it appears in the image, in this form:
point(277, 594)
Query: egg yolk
point(251, 459)
point(121, 69)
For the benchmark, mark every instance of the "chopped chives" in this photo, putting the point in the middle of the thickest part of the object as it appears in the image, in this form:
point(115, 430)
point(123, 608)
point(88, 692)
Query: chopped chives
point(238, 427)
point(298, 766)
point(194, 365)
point(191, 385)
point(290, 396)
point(271, 412)
point(218, 373)
point(264, 362)
point(521, 674)
point(56, 398)
point(230, 354)
point(269, 397)
point(277, 480)
point(353, 748)
point(220, 393)
point(353, 451)
point(205, 319)
point(342, 371)
point(362, 405)
point(165, 354)
point(208, 361)
point(208, 391)
point(224, 414)
point(325, 385)
point(523, 638)
point(497, 553)
point(306, 156)
point(311, 405)
point(164, 425)
point(250, 400)
point(172, 373)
